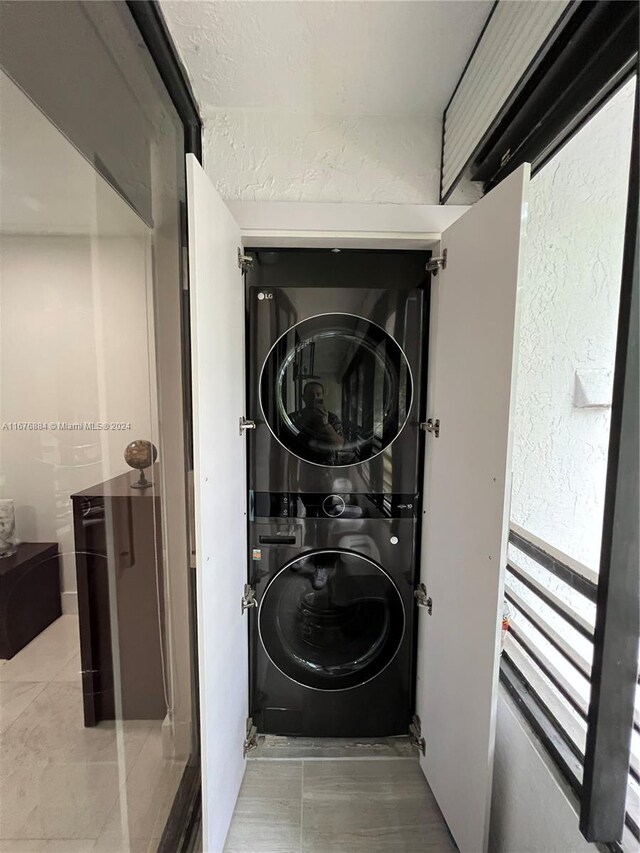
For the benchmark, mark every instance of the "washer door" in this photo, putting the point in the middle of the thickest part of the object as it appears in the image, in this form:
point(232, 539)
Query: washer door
point(331, 620)
point(336, 390)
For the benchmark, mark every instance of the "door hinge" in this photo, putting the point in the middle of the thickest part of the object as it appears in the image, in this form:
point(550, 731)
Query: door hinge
point(245, 262)
point(251, 740)
point(415, 735)
point(439, 263)
point(248, 598)
point(432, 425)
point(420, 594)
point(245, 424)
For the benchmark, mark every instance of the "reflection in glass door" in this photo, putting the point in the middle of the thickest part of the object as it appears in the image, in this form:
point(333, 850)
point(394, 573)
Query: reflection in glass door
point(95, 663)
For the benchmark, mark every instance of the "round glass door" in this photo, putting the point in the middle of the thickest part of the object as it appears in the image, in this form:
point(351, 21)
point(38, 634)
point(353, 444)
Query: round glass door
point(336, 390)
point(331, 620)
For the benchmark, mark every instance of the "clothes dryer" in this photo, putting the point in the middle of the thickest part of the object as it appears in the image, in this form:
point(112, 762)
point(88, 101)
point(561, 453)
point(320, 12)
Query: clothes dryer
point(336, 345)
point(332, 636)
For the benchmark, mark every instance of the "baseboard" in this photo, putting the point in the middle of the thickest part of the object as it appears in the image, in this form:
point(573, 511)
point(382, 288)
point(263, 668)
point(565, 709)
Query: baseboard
point(69, 602)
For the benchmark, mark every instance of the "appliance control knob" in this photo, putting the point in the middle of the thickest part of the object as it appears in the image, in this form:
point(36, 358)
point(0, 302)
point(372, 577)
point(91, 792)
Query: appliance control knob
point(333, 506)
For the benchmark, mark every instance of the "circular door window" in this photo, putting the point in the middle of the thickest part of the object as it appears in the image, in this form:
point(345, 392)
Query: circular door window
point(336, 390)
point(331, 620)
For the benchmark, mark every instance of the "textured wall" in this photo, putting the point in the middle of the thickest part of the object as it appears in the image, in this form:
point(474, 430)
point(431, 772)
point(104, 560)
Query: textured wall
point(324, 101)
point(569, 315)
point(263, 155)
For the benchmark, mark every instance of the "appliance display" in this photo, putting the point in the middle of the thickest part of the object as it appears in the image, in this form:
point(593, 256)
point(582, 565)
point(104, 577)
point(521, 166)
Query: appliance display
point(332, 635)
point(336, 345)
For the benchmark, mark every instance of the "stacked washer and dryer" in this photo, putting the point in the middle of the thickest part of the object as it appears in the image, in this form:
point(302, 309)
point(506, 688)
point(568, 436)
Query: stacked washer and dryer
point(337, 342)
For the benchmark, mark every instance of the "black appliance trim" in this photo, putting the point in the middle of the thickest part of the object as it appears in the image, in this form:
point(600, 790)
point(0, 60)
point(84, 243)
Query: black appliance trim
point(277, 540)
point(288, 505)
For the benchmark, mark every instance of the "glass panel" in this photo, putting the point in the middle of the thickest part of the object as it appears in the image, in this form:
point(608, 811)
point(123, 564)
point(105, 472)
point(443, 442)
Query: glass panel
point(331, 620)
point(95, 579)
point(336, 390)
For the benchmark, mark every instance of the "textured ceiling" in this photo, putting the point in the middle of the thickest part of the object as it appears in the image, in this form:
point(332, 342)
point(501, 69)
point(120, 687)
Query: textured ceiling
point(336, 58)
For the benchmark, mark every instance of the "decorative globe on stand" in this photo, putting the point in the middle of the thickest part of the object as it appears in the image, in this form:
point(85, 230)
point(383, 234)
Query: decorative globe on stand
point(140, 454)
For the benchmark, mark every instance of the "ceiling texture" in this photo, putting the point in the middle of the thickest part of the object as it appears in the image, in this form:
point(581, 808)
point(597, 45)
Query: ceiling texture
point(316, 100)
point(393, 57)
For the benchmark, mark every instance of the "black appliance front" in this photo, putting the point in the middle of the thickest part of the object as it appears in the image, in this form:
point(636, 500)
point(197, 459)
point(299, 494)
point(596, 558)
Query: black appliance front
point(332, 636)
point(335, 351)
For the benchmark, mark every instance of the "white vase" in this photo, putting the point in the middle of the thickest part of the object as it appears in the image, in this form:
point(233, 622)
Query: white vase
point(7, 527)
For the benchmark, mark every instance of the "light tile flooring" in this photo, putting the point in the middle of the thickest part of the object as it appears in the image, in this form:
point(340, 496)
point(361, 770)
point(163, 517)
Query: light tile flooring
point(65, 788)
point(316, 805)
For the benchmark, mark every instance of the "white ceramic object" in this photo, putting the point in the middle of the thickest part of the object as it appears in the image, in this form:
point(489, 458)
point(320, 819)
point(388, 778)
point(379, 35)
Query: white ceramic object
point(7, 527)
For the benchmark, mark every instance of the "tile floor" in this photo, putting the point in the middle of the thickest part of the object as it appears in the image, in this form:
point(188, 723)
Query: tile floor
point(65, 788)
point(316, 805)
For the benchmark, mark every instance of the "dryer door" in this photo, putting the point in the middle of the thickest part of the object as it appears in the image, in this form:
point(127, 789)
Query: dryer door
point(336, 389)
point(331, 620)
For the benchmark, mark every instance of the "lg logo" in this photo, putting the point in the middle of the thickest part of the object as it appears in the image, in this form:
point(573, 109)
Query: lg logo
point(263, 295)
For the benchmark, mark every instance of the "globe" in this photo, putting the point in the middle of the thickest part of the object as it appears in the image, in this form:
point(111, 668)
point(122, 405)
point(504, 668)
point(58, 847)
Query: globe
point(140, 454)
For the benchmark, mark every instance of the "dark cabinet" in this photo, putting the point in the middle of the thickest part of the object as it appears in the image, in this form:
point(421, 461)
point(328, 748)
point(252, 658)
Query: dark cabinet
point(118, 544)
point(29, 594)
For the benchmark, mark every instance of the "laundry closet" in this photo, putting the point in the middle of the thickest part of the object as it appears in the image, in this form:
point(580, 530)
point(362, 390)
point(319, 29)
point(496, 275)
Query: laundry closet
point(356, 438)
point(335, 368)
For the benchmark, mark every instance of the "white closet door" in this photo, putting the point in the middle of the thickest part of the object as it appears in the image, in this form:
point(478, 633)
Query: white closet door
point(472, 362)
point(217, 343)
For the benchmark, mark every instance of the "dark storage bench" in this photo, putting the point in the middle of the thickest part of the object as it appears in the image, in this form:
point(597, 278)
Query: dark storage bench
point(29, 594)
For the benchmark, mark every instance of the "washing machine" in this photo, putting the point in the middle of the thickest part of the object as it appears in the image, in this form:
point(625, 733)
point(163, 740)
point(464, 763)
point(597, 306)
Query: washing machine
point(332, 627)
point(337, 343)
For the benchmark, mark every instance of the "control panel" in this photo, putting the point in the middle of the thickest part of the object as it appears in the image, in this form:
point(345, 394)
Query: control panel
point(332, 506)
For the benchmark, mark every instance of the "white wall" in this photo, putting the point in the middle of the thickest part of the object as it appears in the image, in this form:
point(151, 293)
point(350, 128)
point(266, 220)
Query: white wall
point(569, 315)
point(266, 155)
point(74, 348)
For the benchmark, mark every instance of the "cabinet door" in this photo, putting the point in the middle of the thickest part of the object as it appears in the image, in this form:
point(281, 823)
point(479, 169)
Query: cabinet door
point(217, 345)
point(472, 361)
